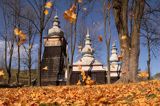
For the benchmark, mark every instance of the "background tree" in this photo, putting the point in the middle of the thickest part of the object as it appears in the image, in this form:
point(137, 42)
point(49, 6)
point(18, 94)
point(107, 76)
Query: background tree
point(106, 19)
point(150, 34)
point(19, 36)
point(10, 22)
point(43, 16)
point(17, 6)
point(28, 46)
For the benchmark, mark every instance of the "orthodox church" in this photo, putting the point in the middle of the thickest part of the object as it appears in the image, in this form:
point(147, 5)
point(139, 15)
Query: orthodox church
point(89, 64)
point(54, 56)
point(92, 67)
point(54, 60)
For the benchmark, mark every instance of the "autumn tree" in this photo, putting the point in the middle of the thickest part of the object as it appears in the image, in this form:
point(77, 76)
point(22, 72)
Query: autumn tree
point(16, 7)
point(150, 34)
point(10, 22)
point(43, 10)
point(28, 46)
point(151, 41)
point(107, 37)
point(129, 41)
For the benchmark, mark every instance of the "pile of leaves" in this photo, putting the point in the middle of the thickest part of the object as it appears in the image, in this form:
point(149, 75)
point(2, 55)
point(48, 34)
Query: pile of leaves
point(137, 94)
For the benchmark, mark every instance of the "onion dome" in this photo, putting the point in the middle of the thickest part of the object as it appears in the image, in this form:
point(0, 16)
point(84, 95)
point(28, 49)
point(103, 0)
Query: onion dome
point(114, 56)
point(56, 29)
point(87, 51)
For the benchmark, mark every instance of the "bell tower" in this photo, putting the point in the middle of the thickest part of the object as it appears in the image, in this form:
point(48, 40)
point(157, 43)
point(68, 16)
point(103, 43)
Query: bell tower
point(53, 61)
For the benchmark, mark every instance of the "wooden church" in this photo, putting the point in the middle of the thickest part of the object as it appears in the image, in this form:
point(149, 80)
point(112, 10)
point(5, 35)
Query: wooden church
point(54, 56)
point(54, 60)
point(90, 65)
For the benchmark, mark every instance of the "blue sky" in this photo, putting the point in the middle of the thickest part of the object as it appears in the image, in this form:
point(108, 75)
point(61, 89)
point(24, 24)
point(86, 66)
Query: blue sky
point(96, 16)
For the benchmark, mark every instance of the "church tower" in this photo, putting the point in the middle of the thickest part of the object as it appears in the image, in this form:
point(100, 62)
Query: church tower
point(115, 64)
point(90, 65)
point(53, 61)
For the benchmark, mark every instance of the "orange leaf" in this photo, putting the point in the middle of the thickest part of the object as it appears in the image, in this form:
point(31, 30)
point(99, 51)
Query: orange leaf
point(48, 4)
point(100, 38)
point(120, 57)
point(79, 1)
point(22, 35)
point(69, 15)
point(73, 8)
point(109, 6)
point(46, 12)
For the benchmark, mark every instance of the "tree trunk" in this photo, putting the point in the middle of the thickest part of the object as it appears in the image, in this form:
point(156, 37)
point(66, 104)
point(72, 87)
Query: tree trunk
point(39, 59)
point(74, 44)
point(10, 62)
point(130, 47)
point(121, 20)
point(18, 70)
point(149, 58)
point(6, 65)
point(108, 43)
point(107, 40)
point(135, 41)
point(29, 65)
point(42, 19)
point(108, 63)
point(68, 65)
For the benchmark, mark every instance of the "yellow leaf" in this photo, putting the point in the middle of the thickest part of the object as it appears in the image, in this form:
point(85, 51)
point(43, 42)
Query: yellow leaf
point(88, 78)
point(79, 82)
point(48, 4)
point(1, 73)
point(22, 37)
point(124, 37)
point(143, 74)
point(46, 12)
point(45, 68)
point(17, 31)
point(84, 77)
